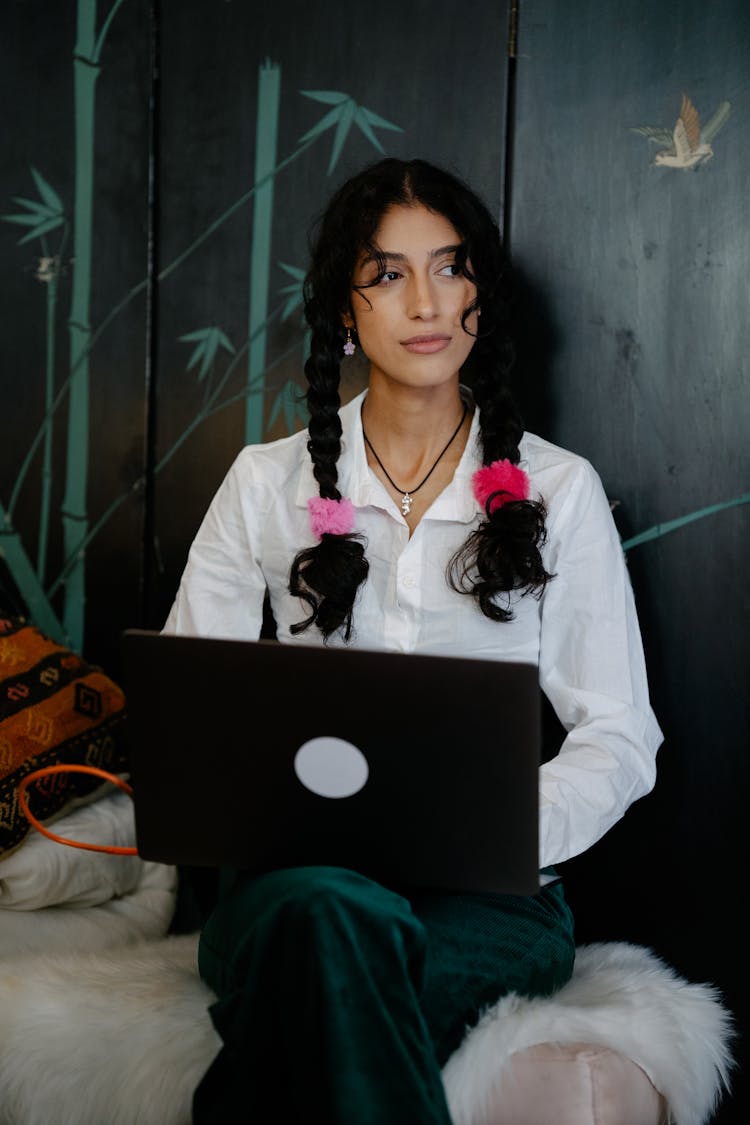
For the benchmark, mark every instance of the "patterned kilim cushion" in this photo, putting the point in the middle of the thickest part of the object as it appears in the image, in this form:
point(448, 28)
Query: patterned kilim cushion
point(54, 708)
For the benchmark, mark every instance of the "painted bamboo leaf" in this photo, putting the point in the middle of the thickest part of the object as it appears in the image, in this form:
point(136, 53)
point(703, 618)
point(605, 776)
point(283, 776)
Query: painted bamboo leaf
point(655, 134)
point(208, 341)
point(32, 205)
point(23, 220)
point(343, 125)
point(289, 399)
point(294, 292)
point(41, 215)
point(321, 126)
point(716, 121)
point(346, 112)
point(46, 191)
point(329, 97)
point(45, 228)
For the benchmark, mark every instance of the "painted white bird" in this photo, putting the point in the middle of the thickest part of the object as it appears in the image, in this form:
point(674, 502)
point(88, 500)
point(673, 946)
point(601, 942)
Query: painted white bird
point(689, 144)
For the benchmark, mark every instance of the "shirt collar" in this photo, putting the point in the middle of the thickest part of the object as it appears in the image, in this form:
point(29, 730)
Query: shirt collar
point(356, 481)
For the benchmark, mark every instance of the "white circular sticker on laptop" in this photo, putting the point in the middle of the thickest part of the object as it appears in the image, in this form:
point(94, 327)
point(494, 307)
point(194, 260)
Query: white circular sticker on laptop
point(331, 767)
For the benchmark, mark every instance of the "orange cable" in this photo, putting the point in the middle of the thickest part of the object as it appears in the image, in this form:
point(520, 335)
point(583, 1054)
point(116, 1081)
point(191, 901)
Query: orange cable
point(46, 771)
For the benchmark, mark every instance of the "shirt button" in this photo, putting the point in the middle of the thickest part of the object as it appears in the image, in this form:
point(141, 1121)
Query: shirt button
point(408, 581)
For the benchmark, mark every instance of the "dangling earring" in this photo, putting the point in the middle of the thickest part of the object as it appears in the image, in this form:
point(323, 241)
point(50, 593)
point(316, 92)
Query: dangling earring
point(349, 347)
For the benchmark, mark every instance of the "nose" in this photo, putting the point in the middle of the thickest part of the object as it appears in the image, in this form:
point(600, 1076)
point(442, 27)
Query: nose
point(422, 300)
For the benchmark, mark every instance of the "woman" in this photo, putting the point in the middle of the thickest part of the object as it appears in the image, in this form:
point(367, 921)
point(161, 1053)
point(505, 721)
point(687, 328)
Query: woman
point(419, 517)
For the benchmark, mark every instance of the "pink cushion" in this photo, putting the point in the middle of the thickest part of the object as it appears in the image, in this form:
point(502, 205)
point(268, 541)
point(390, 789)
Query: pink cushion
point(574, 1084)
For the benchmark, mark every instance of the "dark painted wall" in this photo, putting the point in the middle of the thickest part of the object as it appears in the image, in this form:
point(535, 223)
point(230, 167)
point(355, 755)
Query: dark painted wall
point(639, 271)
point(632, 327)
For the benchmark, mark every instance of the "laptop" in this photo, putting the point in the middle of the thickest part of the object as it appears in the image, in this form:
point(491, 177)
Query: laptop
point(419, 771)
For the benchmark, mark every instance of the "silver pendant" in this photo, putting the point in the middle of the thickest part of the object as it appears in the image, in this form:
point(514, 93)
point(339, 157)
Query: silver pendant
point(405, 504)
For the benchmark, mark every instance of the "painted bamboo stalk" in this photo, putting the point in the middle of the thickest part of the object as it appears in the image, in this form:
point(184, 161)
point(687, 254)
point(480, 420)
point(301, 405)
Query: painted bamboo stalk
point(665, 528)
point(266, 132)
point(18, 563)
point(74, 514)
point(50, 279)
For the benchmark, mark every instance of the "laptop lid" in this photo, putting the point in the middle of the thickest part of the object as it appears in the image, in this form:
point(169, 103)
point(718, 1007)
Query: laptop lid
point(417, 770)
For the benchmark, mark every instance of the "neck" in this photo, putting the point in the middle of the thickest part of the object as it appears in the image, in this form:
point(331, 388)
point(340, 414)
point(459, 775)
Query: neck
point(415, 463)
point(417, 420)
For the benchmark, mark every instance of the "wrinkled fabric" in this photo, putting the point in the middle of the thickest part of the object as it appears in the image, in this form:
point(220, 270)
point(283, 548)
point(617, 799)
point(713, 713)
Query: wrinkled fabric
point(339, 1000)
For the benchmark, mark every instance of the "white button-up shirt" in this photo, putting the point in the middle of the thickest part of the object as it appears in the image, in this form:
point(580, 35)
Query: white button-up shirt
point(582, 632)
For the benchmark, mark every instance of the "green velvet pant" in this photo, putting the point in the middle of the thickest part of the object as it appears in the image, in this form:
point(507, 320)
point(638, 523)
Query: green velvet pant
point(340, 1000)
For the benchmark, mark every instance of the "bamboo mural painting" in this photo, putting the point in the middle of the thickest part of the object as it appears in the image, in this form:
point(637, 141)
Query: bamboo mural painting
point(42, 216)
point(45, 215)
point(227, 372)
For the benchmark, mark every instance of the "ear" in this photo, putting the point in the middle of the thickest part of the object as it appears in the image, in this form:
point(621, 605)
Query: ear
point(347, 320)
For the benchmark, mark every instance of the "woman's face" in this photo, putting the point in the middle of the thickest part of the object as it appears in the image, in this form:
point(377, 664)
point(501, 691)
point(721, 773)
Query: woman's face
point(409, 322)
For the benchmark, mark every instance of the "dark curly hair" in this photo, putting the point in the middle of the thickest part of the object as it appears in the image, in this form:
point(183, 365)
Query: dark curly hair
point(503, 553)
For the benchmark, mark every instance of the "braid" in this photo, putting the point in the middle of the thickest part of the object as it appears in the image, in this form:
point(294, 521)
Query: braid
point(503, 553)
point(501, 423)
point(328, 575)
point(323, 402)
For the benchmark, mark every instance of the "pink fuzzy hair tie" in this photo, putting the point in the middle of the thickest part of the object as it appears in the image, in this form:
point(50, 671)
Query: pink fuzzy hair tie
point(498, 483)
point(330, 517)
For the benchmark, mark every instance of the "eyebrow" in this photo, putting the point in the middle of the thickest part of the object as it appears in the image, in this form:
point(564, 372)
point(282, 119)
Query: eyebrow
point(393, 256)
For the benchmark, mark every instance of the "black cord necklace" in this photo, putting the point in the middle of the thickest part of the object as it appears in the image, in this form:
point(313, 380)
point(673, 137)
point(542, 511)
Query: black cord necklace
point(406, 495)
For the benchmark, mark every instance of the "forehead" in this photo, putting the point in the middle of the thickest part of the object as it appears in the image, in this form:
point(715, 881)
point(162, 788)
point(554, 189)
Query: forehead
point(414, 231)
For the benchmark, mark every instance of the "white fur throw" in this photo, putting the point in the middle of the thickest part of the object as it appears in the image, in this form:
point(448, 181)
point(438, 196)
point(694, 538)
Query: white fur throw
point(620, 996)
point(145, 913)
point(107, 1038)
point(123, 1036)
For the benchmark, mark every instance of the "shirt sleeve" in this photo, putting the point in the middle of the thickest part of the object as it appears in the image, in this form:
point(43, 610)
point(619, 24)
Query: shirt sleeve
point(592, 669)
point(222, 587)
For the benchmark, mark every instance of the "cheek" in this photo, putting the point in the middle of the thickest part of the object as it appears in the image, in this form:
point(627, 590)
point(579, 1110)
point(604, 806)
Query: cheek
point(363, 314)
point(372, 323)
point(462, 301)
point(369, 336)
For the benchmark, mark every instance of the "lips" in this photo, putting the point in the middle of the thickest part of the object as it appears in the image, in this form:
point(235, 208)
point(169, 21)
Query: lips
point(426, 345)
